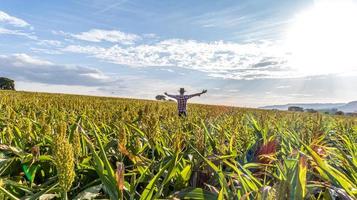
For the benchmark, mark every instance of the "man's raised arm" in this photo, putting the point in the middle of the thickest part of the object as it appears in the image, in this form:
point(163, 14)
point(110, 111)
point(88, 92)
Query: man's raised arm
point(198, 94)
point(170, 95)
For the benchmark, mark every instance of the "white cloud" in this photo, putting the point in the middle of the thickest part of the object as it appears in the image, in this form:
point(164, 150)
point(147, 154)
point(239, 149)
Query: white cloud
point(23, 60)
point(51, 88)
point(300, 95)
point(5, 31)
point(23, 67)
point(283, 86)
point(219, 59)
point(61, 33)
point(99, 35)
point(130, 87)
point(54, 43)
point(46, 51)
point(14, 21)
point(167, 70)
point(150, 35)
point(84, 49)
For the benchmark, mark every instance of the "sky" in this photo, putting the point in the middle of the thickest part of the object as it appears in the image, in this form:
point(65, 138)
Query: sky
point(247, 53)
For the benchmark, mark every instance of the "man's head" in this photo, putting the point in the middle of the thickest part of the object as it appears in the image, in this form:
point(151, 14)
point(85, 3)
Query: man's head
point(182, 91)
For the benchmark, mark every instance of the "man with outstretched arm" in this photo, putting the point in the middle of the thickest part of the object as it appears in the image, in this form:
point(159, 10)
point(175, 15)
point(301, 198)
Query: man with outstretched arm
point(182, 100)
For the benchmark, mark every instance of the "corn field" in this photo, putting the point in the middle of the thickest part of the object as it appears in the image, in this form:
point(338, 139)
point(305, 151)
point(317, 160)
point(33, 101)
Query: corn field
point(55, 146)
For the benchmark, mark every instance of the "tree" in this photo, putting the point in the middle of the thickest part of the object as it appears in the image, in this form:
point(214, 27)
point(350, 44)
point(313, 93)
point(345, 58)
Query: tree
point(310, 110)
point(296, 109)
point(160, 97)
point(7, 84)
point(339, 113)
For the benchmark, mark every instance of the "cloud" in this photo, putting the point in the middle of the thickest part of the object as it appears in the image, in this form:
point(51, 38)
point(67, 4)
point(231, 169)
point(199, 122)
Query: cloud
point(110, 6)
point(143, 87)
point(51, 88)
point(222, 18)
point(50, 47)
point(266, 63)
point(46, 51)
point(23, 67)
point(218, 59)
point(10, 25)
point(283, 87)
point(297, 95)
point(11, 20)
point(32, 36)
point(54, 43)
point(99, 35)
point(150, 35)
point(5, 31)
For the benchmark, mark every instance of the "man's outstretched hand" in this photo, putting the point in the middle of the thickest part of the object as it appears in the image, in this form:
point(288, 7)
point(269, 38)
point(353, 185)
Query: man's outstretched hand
point(203, 91)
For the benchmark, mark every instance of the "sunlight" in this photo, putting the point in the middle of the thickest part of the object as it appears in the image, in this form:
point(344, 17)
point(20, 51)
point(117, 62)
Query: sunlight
point(323, 38)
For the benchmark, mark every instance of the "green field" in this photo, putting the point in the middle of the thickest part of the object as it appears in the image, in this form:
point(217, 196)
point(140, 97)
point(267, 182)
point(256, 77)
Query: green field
point(78, 147)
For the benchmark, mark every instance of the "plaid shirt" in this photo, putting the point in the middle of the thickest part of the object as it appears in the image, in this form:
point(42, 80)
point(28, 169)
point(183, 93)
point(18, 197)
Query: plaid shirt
point(181, 101)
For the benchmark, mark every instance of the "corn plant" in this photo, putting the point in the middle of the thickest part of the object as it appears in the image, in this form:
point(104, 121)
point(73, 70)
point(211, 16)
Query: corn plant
point(58, 146)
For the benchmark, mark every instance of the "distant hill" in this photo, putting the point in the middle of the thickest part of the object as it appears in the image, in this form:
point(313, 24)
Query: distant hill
point(345, 107)
point(349, 107)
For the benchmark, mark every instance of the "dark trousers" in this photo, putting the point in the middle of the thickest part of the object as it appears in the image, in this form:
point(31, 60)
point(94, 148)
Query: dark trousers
point(182, 113)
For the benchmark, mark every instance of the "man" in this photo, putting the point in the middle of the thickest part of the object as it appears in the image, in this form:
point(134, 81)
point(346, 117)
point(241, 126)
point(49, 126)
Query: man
point(182, 100)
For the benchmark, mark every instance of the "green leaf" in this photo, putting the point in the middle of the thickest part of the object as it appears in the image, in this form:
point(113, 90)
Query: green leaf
point(149, 190)
point(218, 171)
point(30, 171)
point(335, 176)
point(194, 194)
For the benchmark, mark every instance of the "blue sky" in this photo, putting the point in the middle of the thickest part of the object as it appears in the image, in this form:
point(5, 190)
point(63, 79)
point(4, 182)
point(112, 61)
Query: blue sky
point(246, 53)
